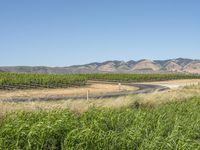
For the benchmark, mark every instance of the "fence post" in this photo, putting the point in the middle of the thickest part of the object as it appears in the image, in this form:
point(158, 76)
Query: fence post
point(119, 85)
point(87, 95)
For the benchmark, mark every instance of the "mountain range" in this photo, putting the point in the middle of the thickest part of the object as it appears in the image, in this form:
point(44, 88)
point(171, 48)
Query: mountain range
point(179, 65)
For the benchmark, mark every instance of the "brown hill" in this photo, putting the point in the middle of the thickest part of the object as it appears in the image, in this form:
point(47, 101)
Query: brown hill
point(179, 65)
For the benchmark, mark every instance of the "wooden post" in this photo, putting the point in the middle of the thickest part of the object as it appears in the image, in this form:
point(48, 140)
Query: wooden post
point(119, 85)
point(87, 95)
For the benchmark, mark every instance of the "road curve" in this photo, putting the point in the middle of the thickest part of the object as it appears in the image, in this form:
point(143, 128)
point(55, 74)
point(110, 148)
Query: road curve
point(142, 88)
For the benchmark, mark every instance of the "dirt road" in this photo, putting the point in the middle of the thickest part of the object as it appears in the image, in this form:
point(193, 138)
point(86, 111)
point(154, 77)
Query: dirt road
point(142, 88)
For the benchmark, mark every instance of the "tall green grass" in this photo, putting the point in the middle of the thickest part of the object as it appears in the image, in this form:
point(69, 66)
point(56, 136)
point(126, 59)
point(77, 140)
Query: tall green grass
point(171, 126)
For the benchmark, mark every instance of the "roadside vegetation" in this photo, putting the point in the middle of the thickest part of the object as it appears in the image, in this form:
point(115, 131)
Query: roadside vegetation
point(27, 80)
point(150, 100)
point(172, 126)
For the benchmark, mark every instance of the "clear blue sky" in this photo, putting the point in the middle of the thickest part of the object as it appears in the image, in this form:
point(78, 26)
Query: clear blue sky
point(67, 32)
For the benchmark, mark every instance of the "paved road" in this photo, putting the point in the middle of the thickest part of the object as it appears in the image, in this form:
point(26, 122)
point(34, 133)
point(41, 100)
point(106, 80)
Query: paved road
point(142, 88)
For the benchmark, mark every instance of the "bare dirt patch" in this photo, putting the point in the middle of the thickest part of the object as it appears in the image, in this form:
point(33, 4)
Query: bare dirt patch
point(176, 83)
point(81, 105)
point(80, 91)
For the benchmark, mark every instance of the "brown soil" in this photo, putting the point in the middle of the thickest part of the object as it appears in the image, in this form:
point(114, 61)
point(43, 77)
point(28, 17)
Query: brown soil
point(176, 83)
point(92, 89)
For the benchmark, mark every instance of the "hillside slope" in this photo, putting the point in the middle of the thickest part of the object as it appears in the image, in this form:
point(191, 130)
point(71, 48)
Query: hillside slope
point(178, 65)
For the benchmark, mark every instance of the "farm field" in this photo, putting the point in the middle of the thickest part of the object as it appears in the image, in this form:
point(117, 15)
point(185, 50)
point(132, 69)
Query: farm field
point(71, 91)
point(9, 81)
point(168, 119)
point(81, 105)
point(98, 85)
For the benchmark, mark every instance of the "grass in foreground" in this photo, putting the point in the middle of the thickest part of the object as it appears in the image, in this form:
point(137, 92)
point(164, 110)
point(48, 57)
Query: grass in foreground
point(171, 126)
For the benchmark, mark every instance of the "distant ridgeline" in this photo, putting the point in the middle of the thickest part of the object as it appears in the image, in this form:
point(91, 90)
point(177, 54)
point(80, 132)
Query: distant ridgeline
point(179, 65)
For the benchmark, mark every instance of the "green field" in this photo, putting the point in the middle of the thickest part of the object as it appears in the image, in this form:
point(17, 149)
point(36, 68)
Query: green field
point(171, 126)
point(27, 80)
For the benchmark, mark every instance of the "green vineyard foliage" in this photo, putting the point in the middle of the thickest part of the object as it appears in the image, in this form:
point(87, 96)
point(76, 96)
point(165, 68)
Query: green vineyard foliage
point(29, 80)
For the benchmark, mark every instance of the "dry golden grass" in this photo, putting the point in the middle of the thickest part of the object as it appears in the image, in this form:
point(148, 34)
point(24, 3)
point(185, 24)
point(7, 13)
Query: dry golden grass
point(176, 83)
point(82, 105)
point(155, 99)
point(93, 89)
point(79, 106)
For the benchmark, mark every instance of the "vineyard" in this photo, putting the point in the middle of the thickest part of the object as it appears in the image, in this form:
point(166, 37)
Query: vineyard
point(25, 81)
point(140, 77)
point(28, 80)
